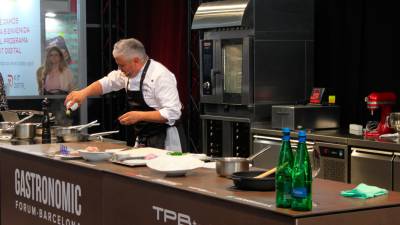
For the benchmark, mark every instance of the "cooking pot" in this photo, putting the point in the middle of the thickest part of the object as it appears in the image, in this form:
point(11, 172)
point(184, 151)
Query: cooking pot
point(246, 180)
point(6, 127)
point(72, 135)
point(39, 130)
point(226, 166)
point(25, 130)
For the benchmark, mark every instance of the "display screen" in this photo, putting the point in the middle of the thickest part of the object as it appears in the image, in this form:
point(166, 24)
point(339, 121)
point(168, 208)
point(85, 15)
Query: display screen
point(20, 46)
point(232, 61)
point(28, 29)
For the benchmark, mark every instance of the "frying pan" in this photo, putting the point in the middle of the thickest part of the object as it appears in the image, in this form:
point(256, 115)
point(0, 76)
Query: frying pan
point(245, 181)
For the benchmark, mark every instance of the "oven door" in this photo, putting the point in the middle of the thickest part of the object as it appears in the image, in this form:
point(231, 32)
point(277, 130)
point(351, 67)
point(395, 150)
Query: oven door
point(226, 70)
point(235, 71)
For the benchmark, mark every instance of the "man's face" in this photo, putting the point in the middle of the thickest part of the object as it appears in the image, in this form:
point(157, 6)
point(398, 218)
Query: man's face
point(129, 67)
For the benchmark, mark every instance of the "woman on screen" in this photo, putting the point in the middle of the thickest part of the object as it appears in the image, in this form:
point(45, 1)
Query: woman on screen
point(54, 77)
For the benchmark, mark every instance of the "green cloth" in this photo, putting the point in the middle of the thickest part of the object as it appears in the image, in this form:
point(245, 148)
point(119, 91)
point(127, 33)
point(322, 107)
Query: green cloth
point(364, 191)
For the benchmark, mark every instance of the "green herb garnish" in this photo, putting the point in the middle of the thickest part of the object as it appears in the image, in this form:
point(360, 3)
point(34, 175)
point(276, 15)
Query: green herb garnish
point(175, 153)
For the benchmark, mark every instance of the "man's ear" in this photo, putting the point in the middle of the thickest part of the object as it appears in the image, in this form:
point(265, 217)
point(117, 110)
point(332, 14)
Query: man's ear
point(136, 60)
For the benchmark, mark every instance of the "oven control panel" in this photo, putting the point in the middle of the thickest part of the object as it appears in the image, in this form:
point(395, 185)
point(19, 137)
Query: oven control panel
point(207, 66)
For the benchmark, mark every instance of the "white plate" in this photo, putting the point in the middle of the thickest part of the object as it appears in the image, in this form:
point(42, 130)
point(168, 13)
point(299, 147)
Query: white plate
point(135, 162)
point(174, 165)
point(131, 162)
point(201, 156)
point(138, 153)
point(114, 150)
point(95, 156)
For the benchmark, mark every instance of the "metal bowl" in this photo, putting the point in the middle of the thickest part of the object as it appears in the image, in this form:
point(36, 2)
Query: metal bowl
point(394, 121)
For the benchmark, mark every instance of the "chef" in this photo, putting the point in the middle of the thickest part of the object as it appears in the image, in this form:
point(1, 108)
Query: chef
point(153, 104)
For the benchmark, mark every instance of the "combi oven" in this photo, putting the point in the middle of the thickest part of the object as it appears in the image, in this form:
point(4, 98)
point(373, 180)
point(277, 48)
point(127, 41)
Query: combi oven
point(253, 54)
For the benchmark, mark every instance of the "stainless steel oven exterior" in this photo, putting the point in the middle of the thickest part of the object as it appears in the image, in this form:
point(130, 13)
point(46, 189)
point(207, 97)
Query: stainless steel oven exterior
point(253, 54)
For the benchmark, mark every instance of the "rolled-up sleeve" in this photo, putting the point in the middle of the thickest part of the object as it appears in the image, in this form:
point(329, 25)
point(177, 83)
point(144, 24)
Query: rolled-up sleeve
point(167, 96)
point(114, 81)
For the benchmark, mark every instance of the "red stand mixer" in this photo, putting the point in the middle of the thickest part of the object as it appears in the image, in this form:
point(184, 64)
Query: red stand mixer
point(384, 101)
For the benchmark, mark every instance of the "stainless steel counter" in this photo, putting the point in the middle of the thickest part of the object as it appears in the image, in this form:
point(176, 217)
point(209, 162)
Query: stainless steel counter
point(333, 136)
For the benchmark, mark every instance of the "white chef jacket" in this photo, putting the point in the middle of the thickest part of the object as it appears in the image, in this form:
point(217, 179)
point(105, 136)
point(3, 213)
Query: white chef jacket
point(159, 92)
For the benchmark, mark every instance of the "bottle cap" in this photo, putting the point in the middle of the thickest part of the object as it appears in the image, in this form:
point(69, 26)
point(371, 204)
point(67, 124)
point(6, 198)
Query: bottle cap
point(72, 107)
point(302, 133)
point(286, 134)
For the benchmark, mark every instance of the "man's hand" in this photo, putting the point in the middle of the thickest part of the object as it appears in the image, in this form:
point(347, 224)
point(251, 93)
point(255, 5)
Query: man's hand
point(74, 97)
point(131, 117)
point(94, 89)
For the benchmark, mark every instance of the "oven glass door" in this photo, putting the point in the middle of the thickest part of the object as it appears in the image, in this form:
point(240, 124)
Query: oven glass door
point(232, 69)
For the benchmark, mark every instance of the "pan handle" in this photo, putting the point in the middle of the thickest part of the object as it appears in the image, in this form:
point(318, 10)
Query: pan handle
point(250, 158)
point(87, 125)
point(24, 119)
point(104, 133)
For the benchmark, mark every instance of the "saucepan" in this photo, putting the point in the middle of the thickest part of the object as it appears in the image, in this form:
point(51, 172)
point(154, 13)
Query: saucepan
point(25, 130)
point(78, 136)
point(39, 130)
point(226, 166)
point(6, 127)
point(72, 132)
point(19, 129)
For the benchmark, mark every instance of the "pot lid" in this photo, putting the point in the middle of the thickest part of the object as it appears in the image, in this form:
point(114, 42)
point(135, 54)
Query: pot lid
point(227, 13)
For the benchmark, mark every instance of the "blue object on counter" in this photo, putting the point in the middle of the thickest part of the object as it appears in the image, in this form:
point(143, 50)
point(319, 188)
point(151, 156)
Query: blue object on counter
point(364, 191)
point(64, 150)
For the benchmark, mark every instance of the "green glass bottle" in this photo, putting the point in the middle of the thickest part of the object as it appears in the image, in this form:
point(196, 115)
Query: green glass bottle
point(301, 177)
point(283, 175)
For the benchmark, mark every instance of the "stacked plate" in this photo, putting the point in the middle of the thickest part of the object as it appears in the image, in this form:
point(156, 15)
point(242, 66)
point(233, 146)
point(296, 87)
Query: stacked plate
point(174, 165)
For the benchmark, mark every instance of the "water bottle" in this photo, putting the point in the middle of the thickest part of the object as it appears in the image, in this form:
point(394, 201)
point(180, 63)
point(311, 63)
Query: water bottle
point(283, 175)
point(46, 132)
point(72, 107)
point(302, 177)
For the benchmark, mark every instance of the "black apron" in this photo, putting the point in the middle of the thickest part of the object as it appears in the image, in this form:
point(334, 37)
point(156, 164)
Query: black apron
point(148, 134)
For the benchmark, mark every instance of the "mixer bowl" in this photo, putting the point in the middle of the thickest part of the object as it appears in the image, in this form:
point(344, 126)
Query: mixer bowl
point(394, 121)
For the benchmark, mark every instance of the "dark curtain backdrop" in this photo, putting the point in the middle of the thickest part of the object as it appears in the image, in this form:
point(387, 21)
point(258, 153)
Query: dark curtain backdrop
point(162, 27)
point(354, 53)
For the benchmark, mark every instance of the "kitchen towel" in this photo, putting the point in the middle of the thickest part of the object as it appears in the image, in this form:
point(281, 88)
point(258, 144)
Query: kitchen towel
point(364, 191)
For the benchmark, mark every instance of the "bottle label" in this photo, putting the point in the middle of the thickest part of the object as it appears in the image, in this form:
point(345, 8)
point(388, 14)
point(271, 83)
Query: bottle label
point(299, 192)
